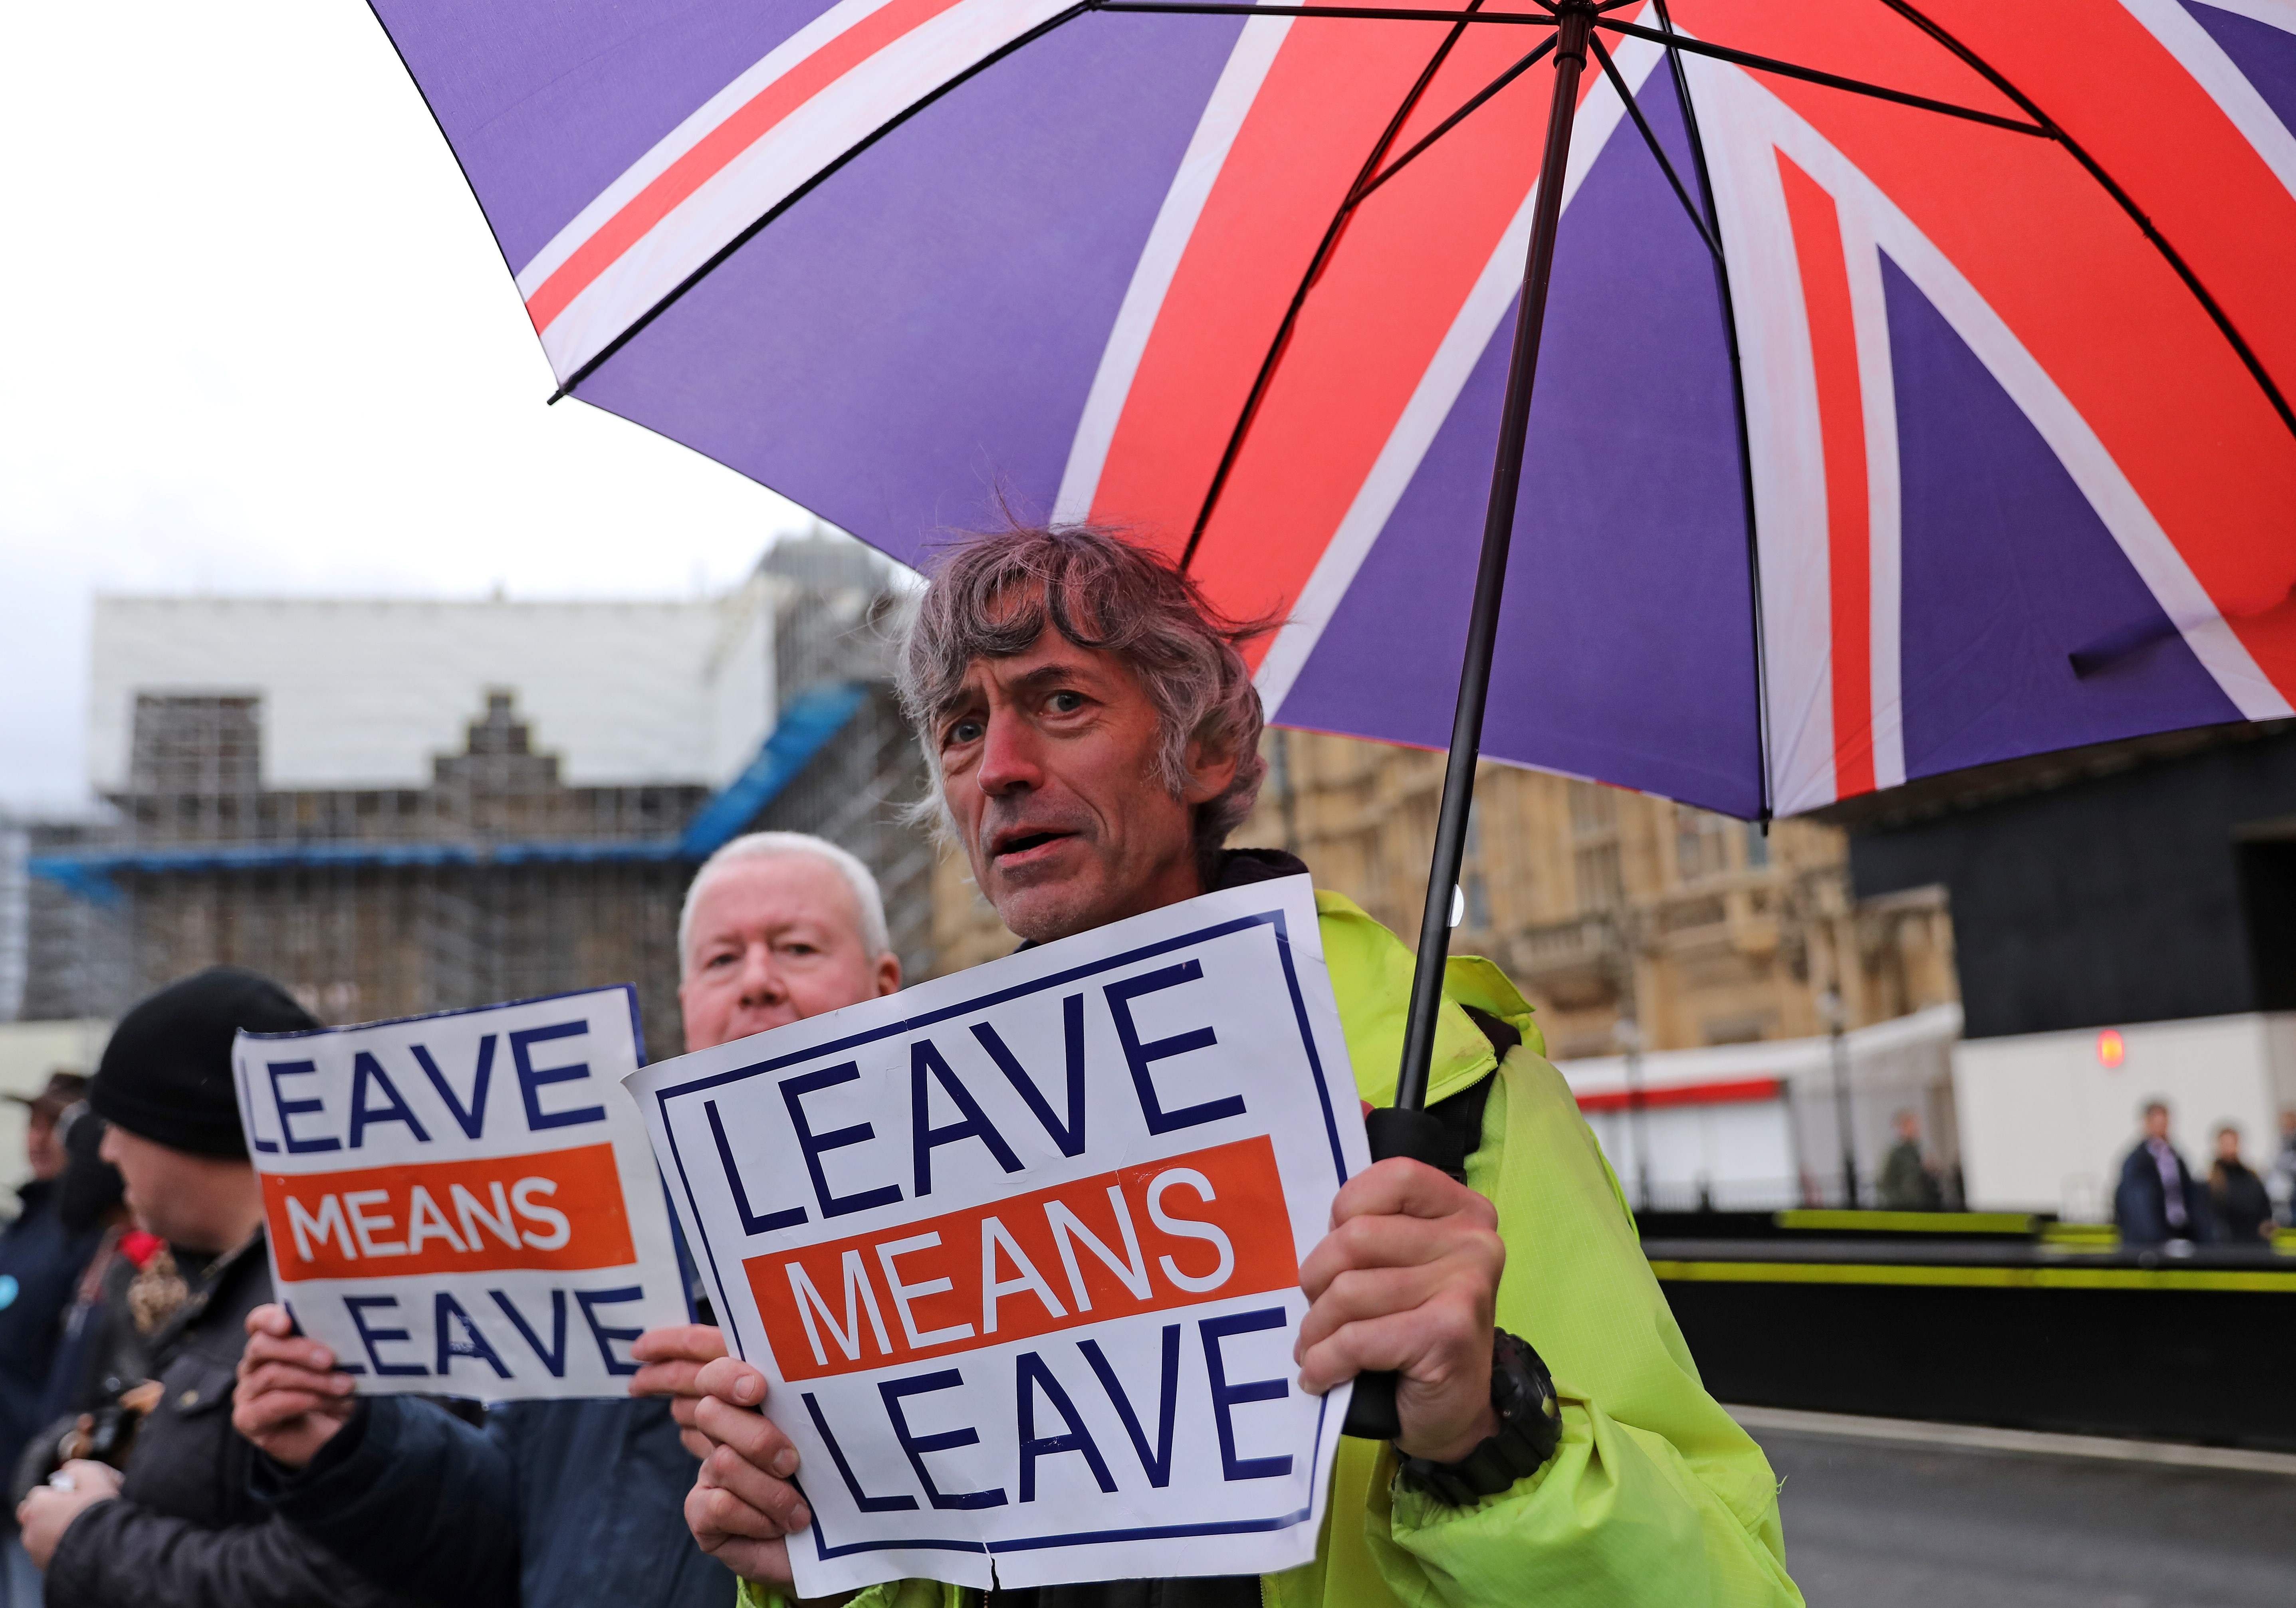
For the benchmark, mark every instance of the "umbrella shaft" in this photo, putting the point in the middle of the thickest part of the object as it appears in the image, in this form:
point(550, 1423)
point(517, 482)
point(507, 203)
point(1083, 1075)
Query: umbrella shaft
point(1576, 19)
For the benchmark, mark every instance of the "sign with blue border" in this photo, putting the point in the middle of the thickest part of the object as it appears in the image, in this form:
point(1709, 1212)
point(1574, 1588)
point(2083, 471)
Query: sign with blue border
point(1019, 1250)
point(465, 1203)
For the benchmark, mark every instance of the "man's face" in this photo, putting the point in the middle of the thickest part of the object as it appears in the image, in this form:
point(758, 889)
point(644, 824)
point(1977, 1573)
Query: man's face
point(2156, 1124)
point(1048, 767)
point(1909, 1127)
point(42, 1148)
point(181, 1197)
point(774, 939)
point(2228, 1144)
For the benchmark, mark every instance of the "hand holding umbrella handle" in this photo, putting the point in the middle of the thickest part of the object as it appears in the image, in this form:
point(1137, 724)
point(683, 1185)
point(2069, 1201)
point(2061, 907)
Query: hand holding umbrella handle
point(1372, 1411)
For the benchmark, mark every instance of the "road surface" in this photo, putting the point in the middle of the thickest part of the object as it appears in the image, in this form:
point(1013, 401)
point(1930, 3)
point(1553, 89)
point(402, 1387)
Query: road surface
point(1873, 1524)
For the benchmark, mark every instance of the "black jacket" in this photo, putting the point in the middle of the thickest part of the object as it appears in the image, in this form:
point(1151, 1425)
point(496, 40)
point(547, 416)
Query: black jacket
point(558, 1504)
point(2140, 1204)
point(2243, 1206)
point(40, 1261)
point(186, 1530)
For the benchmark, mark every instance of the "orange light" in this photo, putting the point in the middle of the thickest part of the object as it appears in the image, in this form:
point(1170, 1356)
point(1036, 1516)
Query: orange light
point(2112, 1048)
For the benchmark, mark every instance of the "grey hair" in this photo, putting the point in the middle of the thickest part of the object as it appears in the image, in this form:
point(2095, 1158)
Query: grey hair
point(996, 593)
point(764, 845)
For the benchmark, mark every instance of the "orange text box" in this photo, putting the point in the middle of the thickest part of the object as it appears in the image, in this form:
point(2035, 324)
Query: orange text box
point(1190, 1228)
point(558, 1209)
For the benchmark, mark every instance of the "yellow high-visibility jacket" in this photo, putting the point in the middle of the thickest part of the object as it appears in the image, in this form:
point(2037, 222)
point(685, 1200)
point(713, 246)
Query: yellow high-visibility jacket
point(1655, 1496)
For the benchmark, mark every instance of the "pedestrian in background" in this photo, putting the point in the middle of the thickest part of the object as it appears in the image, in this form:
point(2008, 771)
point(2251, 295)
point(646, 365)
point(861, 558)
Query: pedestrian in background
point(2282, 1184)
point(41, 1257)
point(176, 1523)
point(1908, 1182)
point(40, 1261)
point(2244, 1208)
point(100, 1352)
point(2158, 1199)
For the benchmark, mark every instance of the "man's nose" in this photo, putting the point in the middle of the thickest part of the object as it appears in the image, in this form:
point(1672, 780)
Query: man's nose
point(761, 981)
point(1009, 758)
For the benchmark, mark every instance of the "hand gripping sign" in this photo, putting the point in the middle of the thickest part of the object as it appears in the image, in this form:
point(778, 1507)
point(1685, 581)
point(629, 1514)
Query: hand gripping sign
point(463, 1204)
point(1019, 1250)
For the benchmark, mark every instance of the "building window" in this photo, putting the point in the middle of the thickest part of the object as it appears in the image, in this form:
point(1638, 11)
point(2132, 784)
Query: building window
point(1593, 809)
point(1757, 846)
point(206, 746)
point(1701, 844)
point(1601, 886)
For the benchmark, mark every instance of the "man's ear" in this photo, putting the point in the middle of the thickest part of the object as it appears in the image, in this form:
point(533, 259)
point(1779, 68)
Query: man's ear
point(1210, 769)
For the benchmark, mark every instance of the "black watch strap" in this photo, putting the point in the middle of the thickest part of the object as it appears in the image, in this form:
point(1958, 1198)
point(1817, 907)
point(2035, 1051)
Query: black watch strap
point(1530, 1426)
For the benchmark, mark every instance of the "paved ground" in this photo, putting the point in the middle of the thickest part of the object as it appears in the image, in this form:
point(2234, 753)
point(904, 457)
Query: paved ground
point(1876, 1525)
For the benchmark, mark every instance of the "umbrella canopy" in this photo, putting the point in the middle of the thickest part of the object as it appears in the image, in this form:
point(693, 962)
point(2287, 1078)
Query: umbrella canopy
point(1871, 440)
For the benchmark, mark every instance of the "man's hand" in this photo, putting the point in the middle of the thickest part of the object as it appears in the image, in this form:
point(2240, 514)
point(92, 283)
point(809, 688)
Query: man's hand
point(48, 1512)
point(742, 1503)
point(1407, 1281)
point(291, 1398)
point(673, 1359)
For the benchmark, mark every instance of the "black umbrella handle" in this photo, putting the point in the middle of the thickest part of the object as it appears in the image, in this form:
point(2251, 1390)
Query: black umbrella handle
point(1371, 1412)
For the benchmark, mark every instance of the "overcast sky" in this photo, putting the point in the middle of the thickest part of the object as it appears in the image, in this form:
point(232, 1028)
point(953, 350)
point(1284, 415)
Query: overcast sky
point(259, 341)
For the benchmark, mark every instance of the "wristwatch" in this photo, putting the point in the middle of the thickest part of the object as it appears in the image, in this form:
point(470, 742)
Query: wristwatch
point(1530, 1426)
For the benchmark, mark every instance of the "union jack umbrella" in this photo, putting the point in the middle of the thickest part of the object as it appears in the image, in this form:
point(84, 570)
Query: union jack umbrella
point(1914, 390)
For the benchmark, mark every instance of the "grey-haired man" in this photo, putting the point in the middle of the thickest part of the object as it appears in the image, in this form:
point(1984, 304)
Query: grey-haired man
point(1093, 727)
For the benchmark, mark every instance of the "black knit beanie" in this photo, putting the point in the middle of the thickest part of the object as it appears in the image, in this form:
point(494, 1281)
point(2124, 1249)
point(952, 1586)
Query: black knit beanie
point(166, 1074)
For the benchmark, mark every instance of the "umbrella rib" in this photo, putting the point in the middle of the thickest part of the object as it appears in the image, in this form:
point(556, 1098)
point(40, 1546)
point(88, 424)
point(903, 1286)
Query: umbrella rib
point(1315, 263)
point(1373, 14)
point(825, 172)
point(1738, 409)
point(2127, 202)
point(1455, 120)
point(1810, 74)
point(1649, 138)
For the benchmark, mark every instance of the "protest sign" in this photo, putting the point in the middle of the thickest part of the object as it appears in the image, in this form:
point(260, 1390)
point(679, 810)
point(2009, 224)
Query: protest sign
point(465, 1203)
point(1019, 1250)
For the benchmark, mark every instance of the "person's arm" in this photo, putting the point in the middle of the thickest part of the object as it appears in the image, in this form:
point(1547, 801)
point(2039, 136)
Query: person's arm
point(1655, 1496)
point(398, 1487)
point(119, 1552)
point(411, 1497)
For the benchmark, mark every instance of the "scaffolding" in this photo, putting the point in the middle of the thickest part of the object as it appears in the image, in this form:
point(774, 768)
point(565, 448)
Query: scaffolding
point(497, 880)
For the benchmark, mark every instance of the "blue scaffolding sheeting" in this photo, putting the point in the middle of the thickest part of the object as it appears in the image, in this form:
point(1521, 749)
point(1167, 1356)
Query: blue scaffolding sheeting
point(807, 725)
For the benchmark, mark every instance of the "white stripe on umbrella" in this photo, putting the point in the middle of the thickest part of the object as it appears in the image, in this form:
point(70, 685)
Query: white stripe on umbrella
point(1198, 171)
point(813, 135)
point(2198, 53)
point(1878, 391)
point(770, 68)
point(1470, 333)
point(1785, 437)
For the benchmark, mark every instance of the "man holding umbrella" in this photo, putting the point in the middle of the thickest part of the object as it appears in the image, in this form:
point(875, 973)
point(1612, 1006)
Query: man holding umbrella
point(1094, 730)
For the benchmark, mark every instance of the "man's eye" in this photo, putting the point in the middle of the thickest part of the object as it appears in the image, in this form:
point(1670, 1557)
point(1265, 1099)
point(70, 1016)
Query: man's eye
point(1065, 702)
point(962, 732)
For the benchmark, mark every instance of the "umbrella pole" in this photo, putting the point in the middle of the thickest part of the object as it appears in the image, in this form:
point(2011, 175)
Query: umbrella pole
point(1407, 1129)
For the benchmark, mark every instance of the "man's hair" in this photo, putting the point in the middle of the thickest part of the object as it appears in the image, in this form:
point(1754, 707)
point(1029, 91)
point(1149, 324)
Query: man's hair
point(766, 845)
point(2152, 1106)
point(995, 595)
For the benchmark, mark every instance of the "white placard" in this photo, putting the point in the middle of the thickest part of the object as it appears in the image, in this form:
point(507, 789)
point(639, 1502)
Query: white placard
point(1019, 1250)
point(466, 1205)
